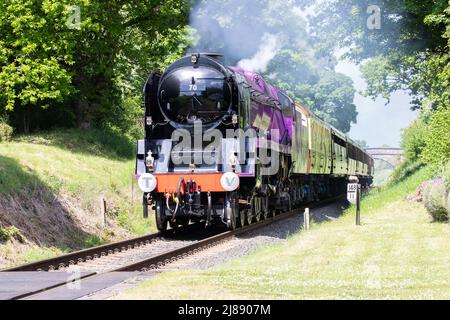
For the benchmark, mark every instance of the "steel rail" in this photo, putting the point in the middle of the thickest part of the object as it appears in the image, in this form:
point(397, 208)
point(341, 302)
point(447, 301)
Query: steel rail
point(167, 257)
point(171, 256)
point(85, 255)
point(98, 251)
point(113, 248)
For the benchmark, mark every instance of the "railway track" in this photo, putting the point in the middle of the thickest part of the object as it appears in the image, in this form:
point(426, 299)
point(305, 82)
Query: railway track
point(125, 249)
point(146, 253)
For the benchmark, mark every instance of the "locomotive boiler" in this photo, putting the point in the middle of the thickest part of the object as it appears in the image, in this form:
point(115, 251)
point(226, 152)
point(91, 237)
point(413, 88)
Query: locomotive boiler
point(223, 146)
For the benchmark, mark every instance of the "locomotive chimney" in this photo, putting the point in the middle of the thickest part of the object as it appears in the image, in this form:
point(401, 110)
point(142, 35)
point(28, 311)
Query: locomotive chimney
point(212, 55)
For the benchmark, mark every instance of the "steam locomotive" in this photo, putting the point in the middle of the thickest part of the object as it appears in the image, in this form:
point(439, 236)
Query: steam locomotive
point(224, 147)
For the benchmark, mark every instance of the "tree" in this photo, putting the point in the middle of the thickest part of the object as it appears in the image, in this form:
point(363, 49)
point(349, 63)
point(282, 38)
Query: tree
point(33, 62)
point(409, 51)
point(329, 94)
point(50, 59)
point(131, 38)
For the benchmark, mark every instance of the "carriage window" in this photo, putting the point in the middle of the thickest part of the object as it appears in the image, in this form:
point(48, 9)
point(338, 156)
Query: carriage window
point(351, 152)
point(339, 141)
point(286, 105)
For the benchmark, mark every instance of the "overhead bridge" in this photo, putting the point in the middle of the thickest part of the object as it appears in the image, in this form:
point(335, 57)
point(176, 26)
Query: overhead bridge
point(392, 156)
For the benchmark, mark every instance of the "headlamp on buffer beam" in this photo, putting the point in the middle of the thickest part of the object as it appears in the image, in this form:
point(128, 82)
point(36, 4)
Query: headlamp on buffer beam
point(147, 182)
point(230, 181)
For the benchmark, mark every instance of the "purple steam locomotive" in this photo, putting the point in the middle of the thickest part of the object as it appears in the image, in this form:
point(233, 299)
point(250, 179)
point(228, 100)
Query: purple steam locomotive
point(225, 147)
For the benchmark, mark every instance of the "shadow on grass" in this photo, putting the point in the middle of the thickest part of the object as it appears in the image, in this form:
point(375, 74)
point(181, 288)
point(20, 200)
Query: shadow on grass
point(29, 205)
point(105, 143)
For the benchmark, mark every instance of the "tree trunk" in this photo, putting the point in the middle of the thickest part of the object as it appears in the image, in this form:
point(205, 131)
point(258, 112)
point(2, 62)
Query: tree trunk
point(26, 120)
point(82, 113)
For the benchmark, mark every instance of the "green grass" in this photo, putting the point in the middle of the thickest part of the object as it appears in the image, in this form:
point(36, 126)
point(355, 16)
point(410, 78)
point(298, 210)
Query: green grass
point(81, 165)
point(377, 198)
point(78, 168)
point(37, 254)
point(396, 254)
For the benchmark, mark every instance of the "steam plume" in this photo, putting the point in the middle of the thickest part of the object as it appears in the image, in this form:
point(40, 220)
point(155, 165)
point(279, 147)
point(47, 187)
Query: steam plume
point(267, 50)
point(248, 33)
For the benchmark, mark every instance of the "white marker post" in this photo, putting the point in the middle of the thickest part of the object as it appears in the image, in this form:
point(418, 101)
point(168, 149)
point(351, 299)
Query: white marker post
point(306, 219)
point(354, 196)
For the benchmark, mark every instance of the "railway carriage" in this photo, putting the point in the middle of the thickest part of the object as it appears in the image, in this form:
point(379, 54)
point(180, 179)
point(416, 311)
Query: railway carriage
point(225, 147)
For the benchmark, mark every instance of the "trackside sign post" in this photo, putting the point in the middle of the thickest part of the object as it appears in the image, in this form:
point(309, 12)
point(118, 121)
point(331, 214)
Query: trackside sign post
point(352, 190)
point(354, 197)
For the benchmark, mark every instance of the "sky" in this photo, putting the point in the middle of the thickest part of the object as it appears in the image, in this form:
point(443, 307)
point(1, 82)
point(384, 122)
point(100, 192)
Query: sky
point(377, 123)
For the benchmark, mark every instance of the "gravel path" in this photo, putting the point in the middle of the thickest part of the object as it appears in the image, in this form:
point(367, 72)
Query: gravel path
point(237, 247)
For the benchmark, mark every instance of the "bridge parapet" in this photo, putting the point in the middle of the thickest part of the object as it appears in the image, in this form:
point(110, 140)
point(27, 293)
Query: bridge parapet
point(393, 156)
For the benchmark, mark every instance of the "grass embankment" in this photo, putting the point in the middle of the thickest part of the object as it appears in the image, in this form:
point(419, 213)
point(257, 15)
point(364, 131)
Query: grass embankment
point(396, 254)
point(50, 189)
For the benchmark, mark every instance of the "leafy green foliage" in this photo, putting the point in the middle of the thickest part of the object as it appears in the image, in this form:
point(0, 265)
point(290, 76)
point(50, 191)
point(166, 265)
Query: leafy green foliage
point(410, 51)
point(6, 131)
point(329, 94)
point(426, 141)
point(33, 59)
point(405, 170)
point(437, 138)
point(48, 60)
point(4, 235)
point(9, 233)
point(413, 140)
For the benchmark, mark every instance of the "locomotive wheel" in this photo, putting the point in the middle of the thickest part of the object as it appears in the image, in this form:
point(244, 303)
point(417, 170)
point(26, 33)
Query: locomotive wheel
point(231, 210)
point(161, 219)
point(257, 205)
point(242, 218)
point(249, 216)
point(265, 207)
point(289, 204)
point(265, 202)
point(273, 212)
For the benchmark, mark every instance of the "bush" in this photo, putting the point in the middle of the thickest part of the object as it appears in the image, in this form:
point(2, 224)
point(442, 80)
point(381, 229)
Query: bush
point(404, 170)
point(6, 131)
point(437, 138)
point(436, 199)
point(9, 233)
point(413, 140)
point(4, 235)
